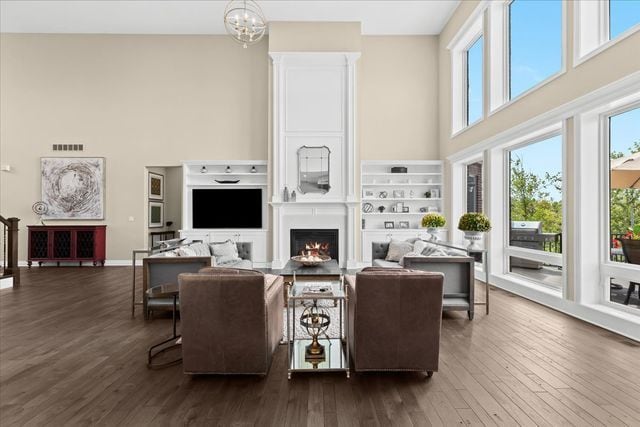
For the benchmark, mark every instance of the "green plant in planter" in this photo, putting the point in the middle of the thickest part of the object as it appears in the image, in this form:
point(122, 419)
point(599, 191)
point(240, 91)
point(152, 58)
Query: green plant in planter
point(474, 221)
point(433, 220)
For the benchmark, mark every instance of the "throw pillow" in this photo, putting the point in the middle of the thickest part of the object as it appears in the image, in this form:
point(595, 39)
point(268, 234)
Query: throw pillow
point(227, 249)
point(201, 249)
point(398, 249)
point(438, 252)
point(186, 251)
point(419, 246)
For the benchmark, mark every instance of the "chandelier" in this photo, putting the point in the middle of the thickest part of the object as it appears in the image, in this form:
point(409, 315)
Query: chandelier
point(244, 21)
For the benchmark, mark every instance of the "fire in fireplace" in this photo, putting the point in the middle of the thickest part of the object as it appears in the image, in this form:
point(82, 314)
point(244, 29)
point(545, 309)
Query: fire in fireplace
point(314, 242)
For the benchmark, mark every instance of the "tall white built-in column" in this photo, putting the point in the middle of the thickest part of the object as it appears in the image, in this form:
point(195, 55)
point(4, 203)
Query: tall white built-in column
point(314, 106)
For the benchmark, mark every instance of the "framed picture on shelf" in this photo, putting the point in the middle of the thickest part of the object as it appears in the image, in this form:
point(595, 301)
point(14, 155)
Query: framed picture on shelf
point(156, 214)
point(403, 224)
point(399, 207)
point(405, 209)
point(398, 194)
point(388, 224)
point(156, 186)
point(367, 193)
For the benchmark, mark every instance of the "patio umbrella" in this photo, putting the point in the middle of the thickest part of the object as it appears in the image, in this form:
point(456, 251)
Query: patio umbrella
point(625, 172)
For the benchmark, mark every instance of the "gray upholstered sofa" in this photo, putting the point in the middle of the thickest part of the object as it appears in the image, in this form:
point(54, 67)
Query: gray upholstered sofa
point(165, 266)
point(458, 273)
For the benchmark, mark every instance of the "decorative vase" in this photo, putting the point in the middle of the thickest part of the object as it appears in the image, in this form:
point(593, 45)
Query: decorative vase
point(433, 234)
point(473, 237)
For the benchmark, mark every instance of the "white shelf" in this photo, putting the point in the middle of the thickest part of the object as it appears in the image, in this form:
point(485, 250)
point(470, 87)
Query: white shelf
point(393, 213)
point(401, 174)
point(407, 184)
point(411, 199)
point(238, 184)
point(229, 174)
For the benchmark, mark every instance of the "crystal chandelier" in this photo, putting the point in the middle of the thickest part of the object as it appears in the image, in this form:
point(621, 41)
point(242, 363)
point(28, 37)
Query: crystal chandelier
point(244, 21)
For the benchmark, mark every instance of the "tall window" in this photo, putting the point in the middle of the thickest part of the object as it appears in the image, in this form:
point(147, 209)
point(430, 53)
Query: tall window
point(535, 43)
point(535, 188)
point(474, 81)
point(623, 14)
point(474, 187)
point(624, 200)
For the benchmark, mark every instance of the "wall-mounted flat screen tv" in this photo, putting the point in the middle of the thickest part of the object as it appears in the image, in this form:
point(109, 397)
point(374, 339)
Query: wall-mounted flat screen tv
point(227, 208)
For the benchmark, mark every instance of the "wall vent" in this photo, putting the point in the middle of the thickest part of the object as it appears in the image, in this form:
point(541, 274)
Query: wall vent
point(68, 147)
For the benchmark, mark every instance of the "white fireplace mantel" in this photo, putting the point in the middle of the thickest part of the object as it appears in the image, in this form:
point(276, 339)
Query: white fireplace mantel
point(314, 105)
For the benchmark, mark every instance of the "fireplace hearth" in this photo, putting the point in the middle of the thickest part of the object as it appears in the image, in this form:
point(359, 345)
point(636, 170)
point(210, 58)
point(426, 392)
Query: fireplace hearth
point(314, 241)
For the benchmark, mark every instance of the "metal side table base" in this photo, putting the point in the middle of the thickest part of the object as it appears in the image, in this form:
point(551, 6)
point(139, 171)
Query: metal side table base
point(175, 339)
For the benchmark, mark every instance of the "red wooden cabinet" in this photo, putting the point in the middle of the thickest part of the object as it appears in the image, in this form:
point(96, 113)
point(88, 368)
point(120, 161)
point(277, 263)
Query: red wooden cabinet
point(76, 243)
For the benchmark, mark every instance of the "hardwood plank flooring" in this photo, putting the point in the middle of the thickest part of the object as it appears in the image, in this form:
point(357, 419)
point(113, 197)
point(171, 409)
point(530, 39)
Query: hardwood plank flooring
point(70, 354)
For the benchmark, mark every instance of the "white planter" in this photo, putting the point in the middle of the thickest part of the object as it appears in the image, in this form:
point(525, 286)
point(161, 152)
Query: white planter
point(473, 237)
point(433, 234)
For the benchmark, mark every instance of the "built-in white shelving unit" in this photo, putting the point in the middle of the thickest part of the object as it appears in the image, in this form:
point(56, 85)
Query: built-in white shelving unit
point(194, 177)
point(405, 197)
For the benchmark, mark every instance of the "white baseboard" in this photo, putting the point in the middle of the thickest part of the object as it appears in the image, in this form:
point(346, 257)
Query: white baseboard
point(616, 321)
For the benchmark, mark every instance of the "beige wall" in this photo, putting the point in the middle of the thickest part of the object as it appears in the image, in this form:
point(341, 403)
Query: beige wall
point(398, 98)
point(314, 36)
point(614, 63)
point(145, 101)
point(135, 100)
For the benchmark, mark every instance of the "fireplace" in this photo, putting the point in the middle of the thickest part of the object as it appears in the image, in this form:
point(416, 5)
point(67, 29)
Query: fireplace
point(322, 241)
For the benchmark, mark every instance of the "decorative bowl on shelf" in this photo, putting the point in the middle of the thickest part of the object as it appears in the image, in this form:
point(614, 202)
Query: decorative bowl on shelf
point(311, 260)
point(227, 181)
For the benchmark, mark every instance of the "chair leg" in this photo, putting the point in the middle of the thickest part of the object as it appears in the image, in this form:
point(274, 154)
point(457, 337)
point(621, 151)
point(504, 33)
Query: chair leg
point(632, 288)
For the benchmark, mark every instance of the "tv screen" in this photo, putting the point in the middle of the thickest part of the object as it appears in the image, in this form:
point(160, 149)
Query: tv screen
point(227, 208)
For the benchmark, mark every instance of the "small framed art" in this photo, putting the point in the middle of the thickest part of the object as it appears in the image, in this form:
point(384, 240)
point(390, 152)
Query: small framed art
point(403, 224)
point(388, 224)
point(156, 214)
point(156, 186)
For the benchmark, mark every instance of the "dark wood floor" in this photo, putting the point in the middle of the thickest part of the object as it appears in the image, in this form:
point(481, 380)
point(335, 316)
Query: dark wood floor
point(71, 354)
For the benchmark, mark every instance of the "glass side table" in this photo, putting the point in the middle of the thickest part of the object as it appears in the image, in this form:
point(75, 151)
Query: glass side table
point(321, 351)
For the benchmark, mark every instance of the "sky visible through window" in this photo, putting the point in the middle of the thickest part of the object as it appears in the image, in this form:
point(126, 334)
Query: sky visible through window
point(624, 129)
point(535, 39)
point(474, 82)
point(623, 14)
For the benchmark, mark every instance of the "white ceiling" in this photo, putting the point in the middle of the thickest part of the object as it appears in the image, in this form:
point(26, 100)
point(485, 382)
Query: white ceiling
point(205, 16)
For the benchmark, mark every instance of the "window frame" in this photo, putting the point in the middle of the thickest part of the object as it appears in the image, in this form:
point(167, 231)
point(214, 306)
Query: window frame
point(465, 71)
point(469, 33)
point(610, 269)
point(533, 254)
point(499, 60)
point(587, 42)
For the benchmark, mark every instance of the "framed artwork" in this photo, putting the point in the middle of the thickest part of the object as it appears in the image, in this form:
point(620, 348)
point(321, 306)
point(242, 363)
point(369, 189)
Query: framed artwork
point(398, 194)
point(156, 214)
point(73, 187)
point(388, 224)
point(156, 186)
point(403, 224)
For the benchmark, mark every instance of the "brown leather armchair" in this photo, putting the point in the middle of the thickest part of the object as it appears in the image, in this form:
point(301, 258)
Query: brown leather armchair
point(231, 320)
point(394, 319)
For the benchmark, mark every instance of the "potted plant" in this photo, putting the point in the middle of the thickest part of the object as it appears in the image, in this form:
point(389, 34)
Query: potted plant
point(474, 224)
point(432, 221)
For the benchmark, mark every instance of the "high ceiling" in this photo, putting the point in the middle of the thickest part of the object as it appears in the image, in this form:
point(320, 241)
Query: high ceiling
point(205, 17)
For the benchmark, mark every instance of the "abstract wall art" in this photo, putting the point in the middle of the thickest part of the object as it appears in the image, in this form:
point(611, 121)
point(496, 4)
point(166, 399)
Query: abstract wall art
point(73, 187)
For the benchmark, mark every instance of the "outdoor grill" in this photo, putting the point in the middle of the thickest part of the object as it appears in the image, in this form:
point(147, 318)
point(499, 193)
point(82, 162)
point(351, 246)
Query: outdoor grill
point(528, 234)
